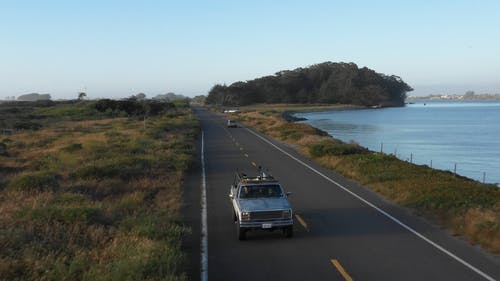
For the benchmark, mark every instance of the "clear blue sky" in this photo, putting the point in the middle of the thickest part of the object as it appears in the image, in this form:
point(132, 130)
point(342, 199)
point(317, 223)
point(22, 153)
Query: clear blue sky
point(119, 48)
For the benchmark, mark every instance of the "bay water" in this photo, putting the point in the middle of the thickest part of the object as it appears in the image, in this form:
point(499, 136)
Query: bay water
point(461, 136)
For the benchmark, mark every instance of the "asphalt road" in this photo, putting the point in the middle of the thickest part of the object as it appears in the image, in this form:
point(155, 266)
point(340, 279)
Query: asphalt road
point(344, 231)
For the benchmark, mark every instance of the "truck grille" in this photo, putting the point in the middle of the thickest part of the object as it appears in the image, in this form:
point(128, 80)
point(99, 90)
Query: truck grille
point(266, 215)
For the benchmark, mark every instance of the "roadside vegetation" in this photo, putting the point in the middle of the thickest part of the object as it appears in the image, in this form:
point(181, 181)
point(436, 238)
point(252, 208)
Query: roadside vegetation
point(91, 190)
point(463, 206)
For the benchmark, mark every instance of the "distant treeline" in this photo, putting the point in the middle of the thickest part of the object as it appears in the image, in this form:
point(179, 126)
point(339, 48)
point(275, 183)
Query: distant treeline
point(34, 97)
point(133, 107)
point(327, 82)
point(22, 115)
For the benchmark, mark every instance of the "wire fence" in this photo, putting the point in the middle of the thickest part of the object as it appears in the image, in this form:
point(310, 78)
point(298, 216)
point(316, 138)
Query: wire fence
point(453, 166)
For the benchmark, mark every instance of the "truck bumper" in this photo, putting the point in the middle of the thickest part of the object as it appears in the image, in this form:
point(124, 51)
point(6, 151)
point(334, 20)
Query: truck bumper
point(266, 225)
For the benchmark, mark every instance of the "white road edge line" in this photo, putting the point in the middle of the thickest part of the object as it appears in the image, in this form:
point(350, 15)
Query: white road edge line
point(204, 229)
point(421, 236)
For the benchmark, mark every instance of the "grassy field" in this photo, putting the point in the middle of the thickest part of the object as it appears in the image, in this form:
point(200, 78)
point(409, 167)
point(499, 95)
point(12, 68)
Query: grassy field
point(465, 207)
point(93, 195)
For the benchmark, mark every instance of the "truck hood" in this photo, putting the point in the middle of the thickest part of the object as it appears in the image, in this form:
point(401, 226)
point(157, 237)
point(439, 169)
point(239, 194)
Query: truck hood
point(264, 204)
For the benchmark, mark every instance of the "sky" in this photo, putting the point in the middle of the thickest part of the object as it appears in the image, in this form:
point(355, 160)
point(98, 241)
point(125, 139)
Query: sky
point(115, 49)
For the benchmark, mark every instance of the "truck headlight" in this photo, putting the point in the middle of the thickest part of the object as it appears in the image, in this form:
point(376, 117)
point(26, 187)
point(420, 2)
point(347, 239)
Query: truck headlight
point(287, 214)
point(245, 216)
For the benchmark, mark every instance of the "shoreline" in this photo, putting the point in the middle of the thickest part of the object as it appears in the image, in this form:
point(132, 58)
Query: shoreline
point(289, 115)
point(464, 171)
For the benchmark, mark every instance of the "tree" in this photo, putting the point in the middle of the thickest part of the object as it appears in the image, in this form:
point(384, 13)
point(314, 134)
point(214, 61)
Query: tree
point(321, 83)
point(82, 95)
point(469, 95)
point(140, 96)
point(199, 99)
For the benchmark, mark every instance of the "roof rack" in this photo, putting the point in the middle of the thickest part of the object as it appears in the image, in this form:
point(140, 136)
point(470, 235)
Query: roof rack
point(262, 176)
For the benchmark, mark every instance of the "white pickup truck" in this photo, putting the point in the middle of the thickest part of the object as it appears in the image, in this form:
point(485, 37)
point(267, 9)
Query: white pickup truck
point(260, 203)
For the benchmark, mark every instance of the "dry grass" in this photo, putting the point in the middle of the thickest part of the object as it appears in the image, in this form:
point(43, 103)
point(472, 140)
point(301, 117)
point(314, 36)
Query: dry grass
point(95, 199)
point(465, 207)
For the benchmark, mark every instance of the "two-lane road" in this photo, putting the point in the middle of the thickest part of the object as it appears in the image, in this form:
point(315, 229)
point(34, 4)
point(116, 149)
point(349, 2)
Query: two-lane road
point(343, 231)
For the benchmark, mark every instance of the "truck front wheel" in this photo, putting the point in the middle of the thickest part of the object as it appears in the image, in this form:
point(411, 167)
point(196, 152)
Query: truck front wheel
point(288, 231)
point(241, 233)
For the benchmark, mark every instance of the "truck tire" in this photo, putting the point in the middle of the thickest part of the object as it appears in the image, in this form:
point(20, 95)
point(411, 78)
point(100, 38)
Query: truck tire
point(241, 233)
point(288, 231)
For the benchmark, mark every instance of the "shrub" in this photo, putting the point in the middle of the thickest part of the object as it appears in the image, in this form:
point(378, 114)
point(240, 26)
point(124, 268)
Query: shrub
point(140, 146)
point(102, 189)
point(69, 198)
point(73, 147)
point(124, 168)
point(75, 112)
point(20, 144)
point(269, 112)
point(3, 149)
point(165, 261)
point(291, 134)
point(39, 181)
point(332, 147)
point(133, 107)
point(48, 162)
point(69, 215)
point(27, 125)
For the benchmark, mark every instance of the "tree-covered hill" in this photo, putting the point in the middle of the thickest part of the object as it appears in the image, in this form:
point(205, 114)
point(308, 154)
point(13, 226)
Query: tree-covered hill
point(326, 82)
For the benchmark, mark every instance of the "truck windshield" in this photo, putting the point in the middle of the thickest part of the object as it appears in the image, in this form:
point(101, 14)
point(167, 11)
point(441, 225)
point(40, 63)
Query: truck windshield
point(261, 191)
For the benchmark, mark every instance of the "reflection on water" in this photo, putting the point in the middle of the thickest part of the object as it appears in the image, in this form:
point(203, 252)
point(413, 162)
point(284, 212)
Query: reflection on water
point(437, 133)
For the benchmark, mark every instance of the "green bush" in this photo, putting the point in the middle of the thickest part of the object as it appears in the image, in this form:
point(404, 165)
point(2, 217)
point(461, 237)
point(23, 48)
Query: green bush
point(269, 112)
point(165, 261)
point(332, 147)
point(73, 147)
point(291, 134)
point(68, 198)
point(46, 163)
point(447, 197)
point(74, 112)
point(3, 149)
point(69, 215)
point(129, 207)
point(124, 168)
point(179, 145)
point(45, 142)
point(27, 125)
point(379, 167)
point(140, 146)
point(39, 181)
point(102, 189)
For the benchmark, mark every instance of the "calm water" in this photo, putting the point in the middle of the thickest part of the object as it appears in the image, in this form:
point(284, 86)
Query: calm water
point(435, 133)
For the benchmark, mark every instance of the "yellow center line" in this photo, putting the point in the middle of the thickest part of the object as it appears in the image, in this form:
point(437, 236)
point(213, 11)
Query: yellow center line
point(302, 222)
point(342, 271)
point(253, 163)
